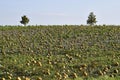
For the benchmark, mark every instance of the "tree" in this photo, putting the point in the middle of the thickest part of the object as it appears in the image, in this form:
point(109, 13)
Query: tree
point(91, 19)
point(24, 20)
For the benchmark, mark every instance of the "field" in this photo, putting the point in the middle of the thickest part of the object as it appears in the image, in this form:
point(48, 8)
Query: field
point(60, 52)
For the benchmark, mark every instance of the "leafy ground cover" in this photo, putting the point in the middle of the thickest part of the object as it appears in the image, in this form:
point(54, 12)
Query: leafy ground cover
point(60, 53)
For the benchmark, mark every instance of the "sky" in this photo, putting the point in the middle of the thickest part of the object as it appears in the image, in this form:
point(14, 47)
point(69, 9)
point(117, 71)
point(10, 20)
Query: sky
point(59, 12)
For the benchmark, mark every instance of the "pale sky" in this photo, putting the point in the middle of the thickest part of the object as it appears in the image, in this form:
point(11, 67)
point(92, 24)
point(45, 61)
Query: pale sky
point(56, 12)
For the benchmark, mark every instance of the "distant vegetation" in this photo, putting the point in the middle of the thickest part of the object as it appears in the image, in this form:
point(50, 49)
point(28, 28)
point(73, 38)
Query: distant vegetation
point(24, 20)
point(60, 53)
point(91, 19)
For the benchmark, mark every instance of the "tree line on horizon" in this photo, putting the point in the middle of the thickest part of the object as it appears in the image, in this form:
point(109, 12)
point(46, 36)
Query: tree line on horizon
point(91, 19)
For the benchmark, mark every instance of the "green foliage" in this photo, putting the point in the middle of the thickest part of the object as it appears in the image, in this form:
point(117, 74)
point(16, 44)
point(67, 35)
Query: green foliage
point(60, 52)
point(24, 20)
point(91, 19)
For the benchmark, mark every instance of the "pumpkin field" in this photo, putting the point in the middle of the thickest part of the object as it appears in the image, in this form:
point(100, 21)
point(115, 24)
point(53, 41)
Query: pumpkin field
point(60, 52)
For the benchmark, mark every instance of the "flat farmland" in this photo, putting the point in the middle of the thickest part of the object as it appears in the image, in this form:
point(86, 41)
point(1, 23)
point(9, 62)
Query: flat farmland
point(60, 52)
